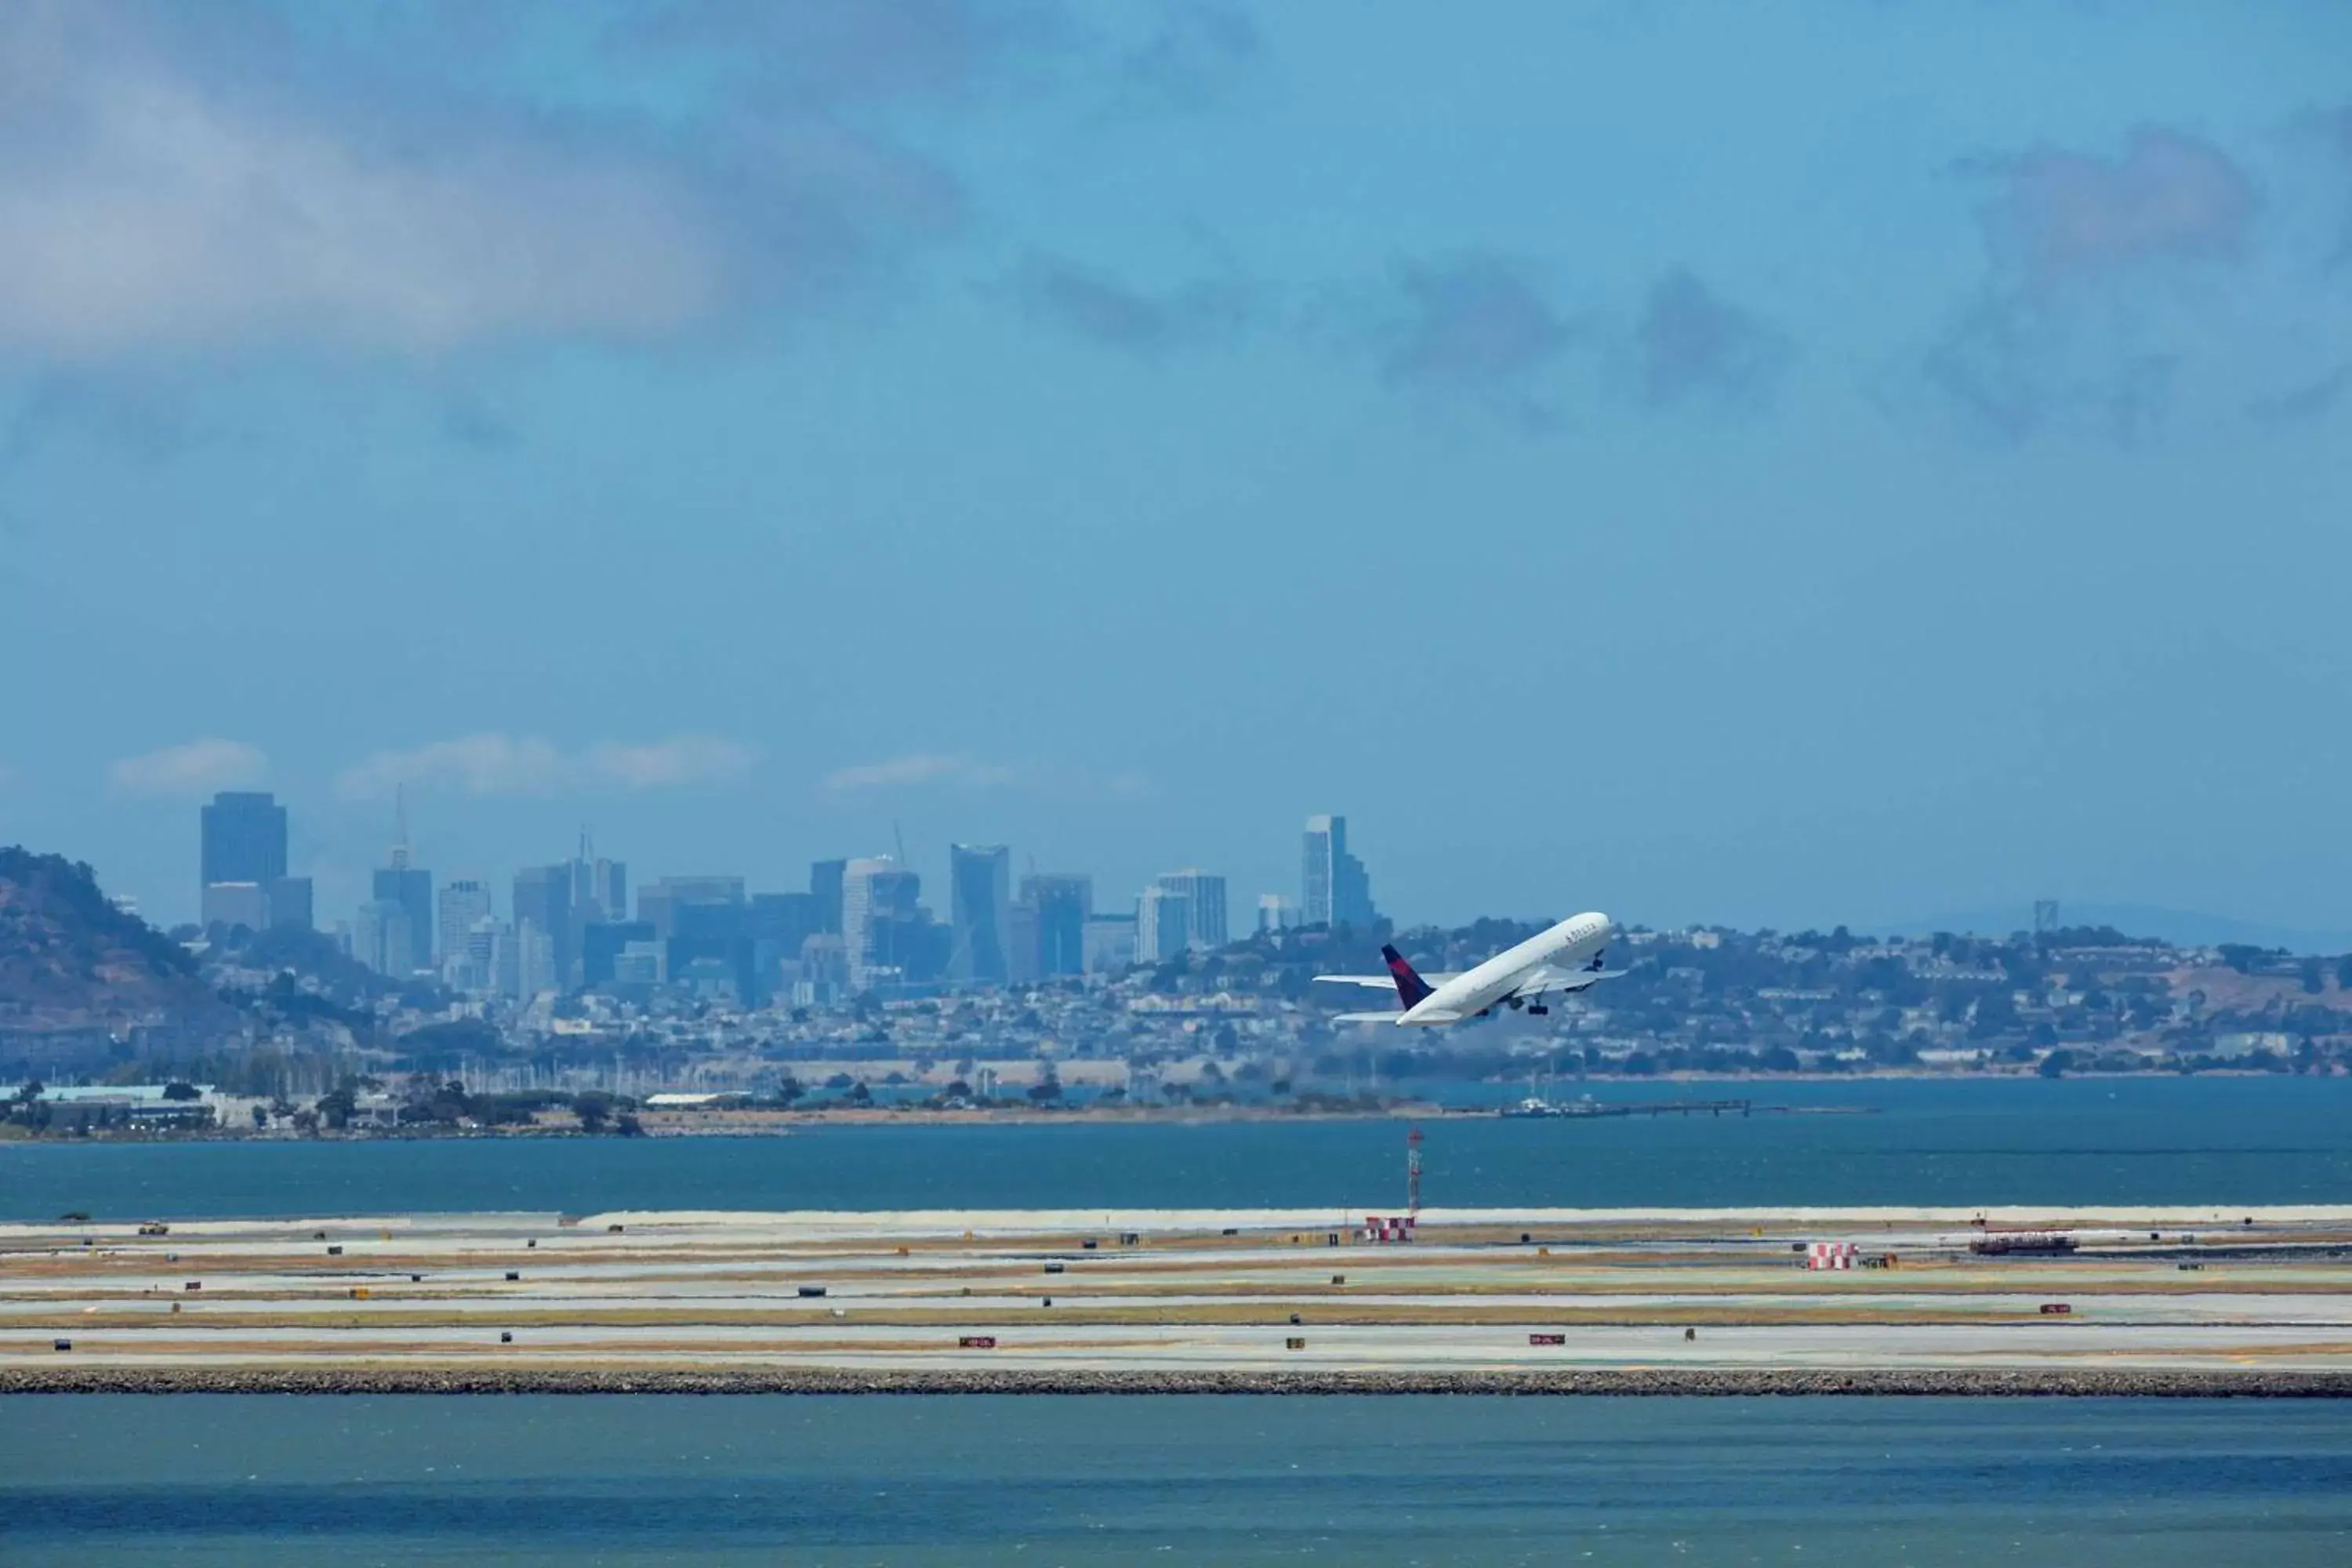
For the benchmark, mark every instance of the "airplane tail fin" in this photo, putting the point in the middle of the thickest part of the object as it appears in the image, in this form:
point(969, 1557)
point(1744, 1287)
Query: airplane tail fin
point(1411, 989)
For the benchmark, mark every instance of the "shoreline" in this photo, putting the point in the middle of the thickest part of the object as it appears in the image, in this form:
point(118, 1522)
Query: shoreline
point(1691, 1383)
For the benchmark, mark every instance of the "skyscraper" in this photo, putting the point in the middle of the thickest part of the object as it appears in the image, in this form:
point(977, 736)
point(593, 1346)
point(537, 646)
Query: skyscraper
point(979, 896)
point(1204, 892)
point(825, 882)
point(1335, 889)
point(1109, 943)
point(1163, 918)
point(410, 887)
point(236, 904)
point(380, 938)
point(462, 905)
point(1063, 902)
point(600, 887)
point(542, 895)
point(879, 907)
point(243, 839)
point(289, 904)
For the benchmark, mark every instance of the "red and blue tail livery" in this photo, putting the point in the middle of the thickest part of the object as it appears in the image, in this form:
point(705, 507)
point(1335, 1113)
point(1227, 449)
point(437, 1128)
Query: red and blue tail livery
point(1411, 989)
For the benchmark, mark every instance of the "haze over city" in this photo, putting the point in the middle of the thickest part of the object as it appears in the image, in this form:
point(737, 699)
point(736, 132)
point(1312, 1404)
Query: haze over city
point(1711, 464)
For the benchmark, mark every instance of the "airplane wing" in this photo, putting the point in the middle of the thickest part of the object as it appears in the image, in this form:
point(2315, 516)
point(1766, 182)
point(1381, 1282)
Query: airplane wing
point(1557, 982)
point(1394, 1017)
point(1378, 982)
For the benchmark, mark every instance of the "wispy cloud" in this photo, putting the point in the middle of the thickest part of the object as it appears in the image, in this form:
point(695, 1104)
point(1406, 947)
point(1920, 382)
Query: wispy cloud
point(188, 771)
point(2313, 399)
point(899, 773)
point(156, 194)
point(2056, 217)
point(1192, 59)
point(1104, 309)
point(1693, 344)
point(501, 764)
point(666, 764)
point(2093, 263)
point(1478, 326)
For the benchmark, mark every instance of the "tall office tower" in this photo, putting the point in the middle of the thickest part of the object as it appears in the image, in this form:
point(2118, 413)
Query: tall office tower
point(471, 966)
point(825, 882)
point(824, 972)
point(1021, 943)
point(1205, 895)
point(665, 900)
point(1163, 918)
point(787, 920)
point(599, 888)
point(290, 904)
point(401, 881)
point(542, 895)
point(1275, 913)
point(536, 968)
point(777, 925)
point(504, 969)
point(1109, 943)
point(1064, 901)
point(462, 903)
point(1335, 889)
point(880, 906)
point(602, 943)
point(979, 899)
point(243, 839)
point(233, 904)
point(410, 888)
point(380, 938)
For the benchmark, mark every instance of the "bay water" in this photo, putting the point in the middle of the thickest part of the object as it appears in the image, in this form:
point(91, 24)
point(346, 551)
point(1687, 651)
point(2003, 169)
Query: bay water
point(1094, 1479)
point(2217, 1142)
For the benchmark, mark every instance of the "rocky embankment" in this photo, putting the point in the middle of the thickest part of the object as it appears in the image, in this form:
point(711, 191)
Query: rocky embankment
point(66, 1378)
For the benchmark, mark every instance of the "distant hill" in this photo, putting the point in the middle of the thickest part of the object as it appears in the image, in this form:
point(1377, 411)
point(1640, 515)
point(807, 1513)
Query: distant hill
point(2180, 927)
point(75, 970)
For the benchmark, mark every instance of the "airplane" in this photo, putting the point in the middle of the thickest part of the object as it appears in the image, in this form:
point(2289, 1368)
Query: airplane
point(1565, 959)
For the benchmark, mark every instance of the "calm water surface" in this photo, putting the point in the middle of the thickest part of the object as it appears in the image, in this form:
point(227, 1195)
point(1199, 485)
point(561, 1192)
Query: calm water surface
point(2193, 1141)
point(1099, 1480)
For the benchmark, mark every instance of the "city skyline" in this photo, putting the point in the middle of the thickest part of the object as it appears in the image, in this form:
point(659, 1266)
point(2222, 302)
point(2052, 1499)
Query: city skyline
point(1761, 467)
point(571, 925)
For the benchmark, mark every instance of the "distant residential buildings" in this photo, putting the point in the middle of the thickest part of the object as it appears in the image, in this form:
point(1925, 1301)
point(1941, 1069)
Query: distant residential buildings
point(1335, 890)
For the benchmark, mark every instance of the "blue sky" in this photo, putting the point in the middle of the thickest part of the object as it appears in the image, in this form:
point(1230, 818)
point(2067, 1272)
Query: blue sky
point(1768, 465)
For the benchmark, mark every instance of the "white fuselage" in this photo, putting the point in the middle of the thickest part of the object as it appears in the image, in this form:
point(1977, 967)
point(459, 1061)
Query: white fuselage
point(1570, 945)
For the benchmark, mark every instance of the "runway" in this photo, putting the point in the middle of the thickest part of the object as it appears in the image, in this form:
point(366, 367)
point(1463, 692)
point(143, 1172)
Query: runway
point(1671, 1299)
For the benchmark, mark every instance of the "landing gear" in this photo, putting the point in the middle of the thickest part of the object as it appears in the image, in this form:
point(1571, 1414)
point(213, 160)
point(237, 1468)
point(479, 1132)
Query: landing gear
point(1538, 1010)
